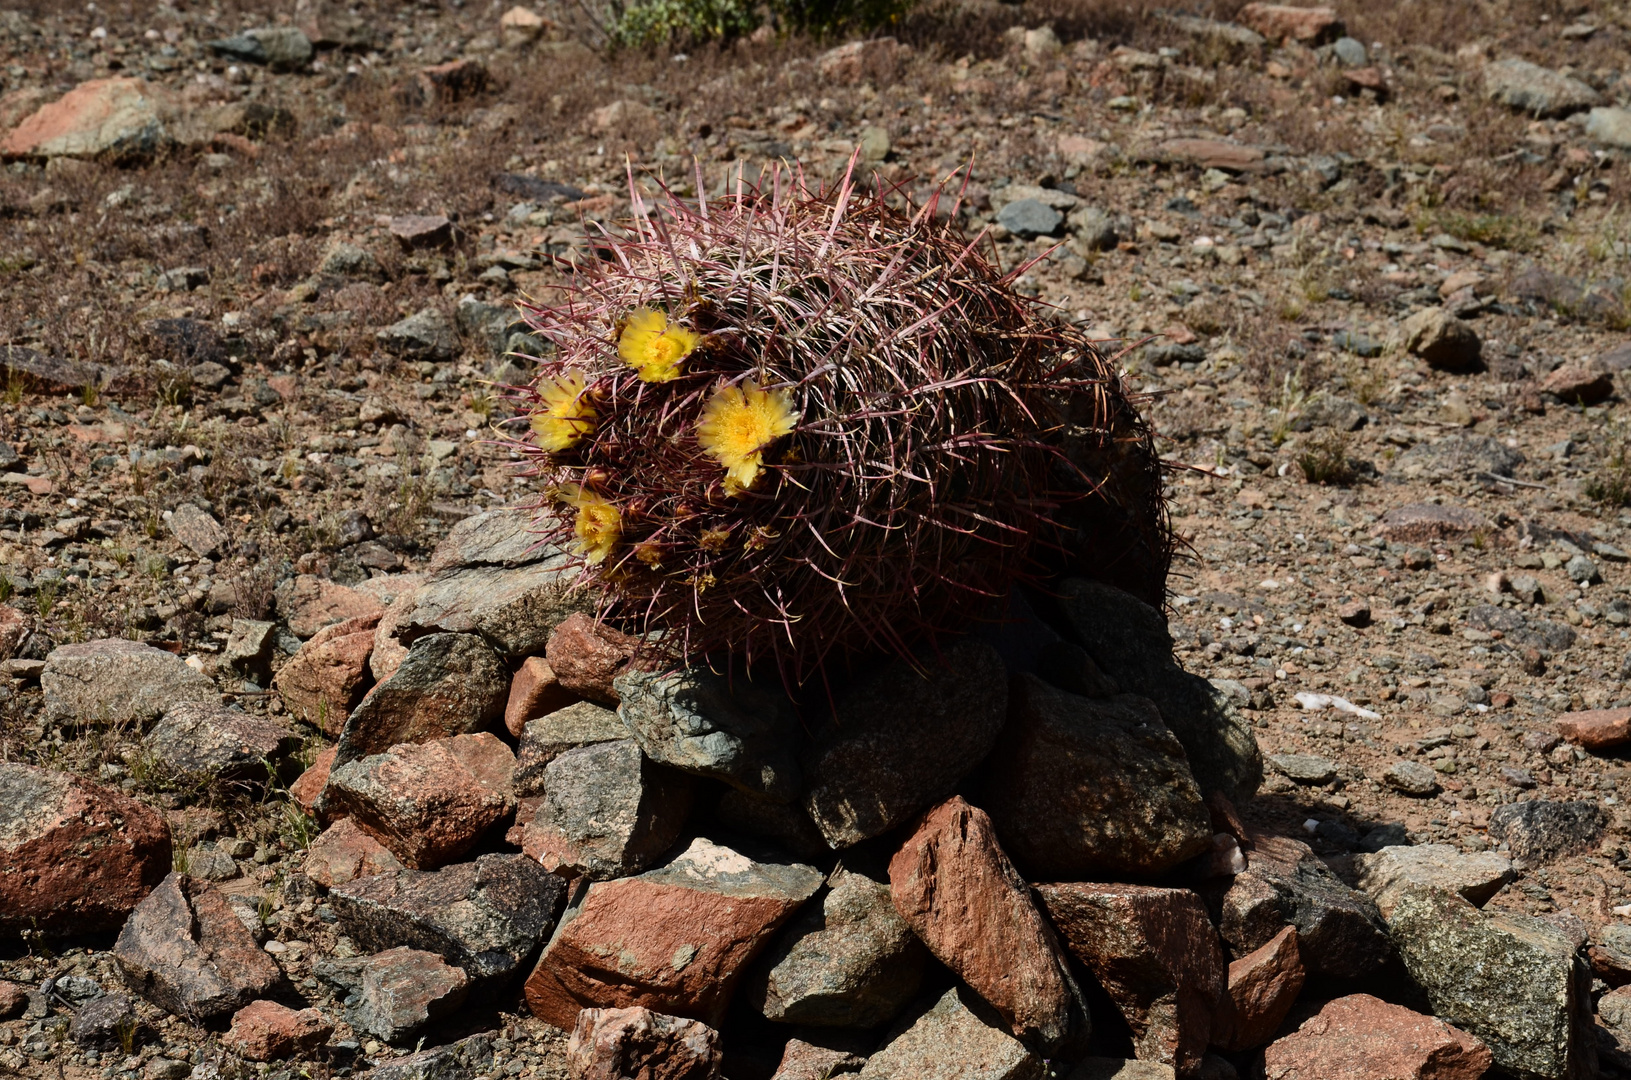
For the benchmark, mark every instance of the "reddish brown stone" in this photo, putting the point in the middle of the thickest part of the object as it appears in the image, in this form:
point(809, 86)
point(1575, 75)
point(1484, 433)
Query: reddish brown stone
point(1368, 78)
point(1277, 22)
point(956, 889)
point(75, 857)
point(1364, 1038)
point(1596, 729)
point(1215, 154)
point(428, 802)
point(326, 679)
point(1579, 384)
point(586, 656)
point(675, 939)
point(452, 81)
point(13, 999)
point(418, 232)
point(1422, 523)
point(344, 852)
point(309, 603)
point(1156, 954)
point(13, 628)
point(610, 1044)
point(1263, 985)
point(876, 59)
point(534, 692)
point(305, 790)
point(1355, 613)
point(266, 1031)
point(118, 118)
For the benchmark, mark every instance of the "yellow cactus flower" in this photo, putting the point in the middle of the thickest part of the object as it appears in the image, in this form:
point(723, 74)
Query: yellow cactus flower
point(653, 346)
point(738, 423)
point(599, 525)
point(565, 414)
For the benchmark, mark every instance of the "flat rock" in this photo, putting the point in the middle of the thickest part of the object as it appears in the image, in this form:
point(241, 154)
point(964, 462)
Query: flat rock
point(586, 656)
point(534, 693)
point(308, 603)
point(812, 1059)
point(186, 951)
point(121, 120)
point(955, 1037)
point(899, 741)
point(196, 736)
point(428, 802)
point(1579, 384)
point(610, 1044)
point(267, 1031)
point(1596, 730)
point(1102, 1068)
point(1456, 456)
point(1129, 640)
point(469, 1057)
point(328, 675)
point(959, 893)
point(1262, 987)
point(485, 916)
point(675, 939)
point(1304, 768)
point(401, 991)
point(1156, 954)
point(1526, 87)
point(1027, 218)
point(1474, 876)
point(1442, 340)
point(118, 681)
point(1411, 778)
point(282, 48)
point(1090, 788)
point(425, 335)
point(99, 1023)
point(197, 530)
point(419, 232)
point(707, 725)
point(514, 608)
point(849, 962)
point(450, 684)
point(1281, 22)
point(1360, 1037)
point(1425, 523)
point(607, 811)
point(1610, 127)
point(1540, 831)
point(343, 852)
point(576, 725)
point(77, 857)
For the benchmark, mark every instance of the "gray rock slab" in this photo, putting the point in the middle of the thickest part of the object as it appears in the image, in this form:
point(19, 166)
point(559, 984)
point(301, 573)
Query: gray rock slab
point(449, 684)
point(514, 608)
point(116, 681)
point(401, 991)
point(462, 1060)
point(424, 335)
point(1539, 830)
point(956, 1037)
point(1411, 778)
point(1026, 218)
point(1611, 127)
point(1456, 456)
point(1304, 768)
point(1539, 91)
point(104, 1023)
point(543, 740)
point(196, 736)
point(198, 530)
point(1474, 876)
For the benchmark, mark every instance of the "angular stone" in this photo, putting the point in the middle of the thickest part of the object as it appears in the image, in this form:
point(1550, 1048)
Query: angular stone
point(900, 741)
point(1539, 91)
point(249, 647)
point(308, 786)
point(1442, 340)
point(534, 692)
point(1027, 218)
point(308, 603)
point(1263, 986)
point(1128, 639)
point(1214, 154)
point(344, 852)
point(485, 916)
point(461, 1060)
point(419, 232)
point(1456, 456)
point(610, 1044)
point(118, 119)
point(1596, 730)
point(197, 530)
point(428, 802)
point(1082, 788)
point(1411, 778)
point(1475, 876)
point(105, 1023)
point(450, 684)
point(812, 1059)
point(117, 681)
point(514, 608)
point(1280, 22)
point(186, 951)
point(282, 48)
point(675, 939)
point(209, 737)
point(959, 893)
point(1155, 952)
point(547, 738)
point(1540, 831)
point(267, 1031)
point(1305, 768)
point(1360, 1037)
point(852, 962)
point(607, 811)
point(1579, 384)
point(957, 1037)
point(708, 725)
point(425, 335)
point(587, 655)
point(1424, 523)
point(1511, 980)
point(1339, 931)
point(401, 991)
point(75, 857)
point(329, 674)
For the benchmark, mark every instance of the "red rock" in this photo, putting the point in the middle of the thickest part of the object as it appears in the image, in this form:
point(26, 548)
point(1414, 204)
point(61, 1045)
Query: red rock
point(344, 853)
point(452, 81)
point(875, 59)
point(1596, 729)
point(266, 1031)
point(958, 892)
point(1364, 1038)
point(675, 939)
point(13, 999)
point(1277, 22)
point(417, 232)
point(305, 790)
point(1263, 985)
point(1579, 384)
point(309, 603)
point(428, 802)
point(1355, 613)
point(13, 628)
point(326, 679)
point(118, 118)
point(611, 1044)
point(1368, 78)
point(1215, 154)
point(75, 857)
point(534, 692)
point(1421, 523)
point(1156, 954)
point(586, 656)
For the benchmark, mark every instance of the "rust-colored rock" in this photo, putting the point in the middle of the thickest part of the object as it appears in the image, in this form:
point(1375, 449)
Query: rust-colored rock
point(675, 939)
point(75, 857)
point(309, 785)
point(1156, 954)
point(1596, 729)
point(1278, 22)
point(1263, 985)
point(1215, 154)
point(13, 629)
point(120, 119)
point(961, 895)
point(1360, 1037)
point(326, 679)
point(534, 692)
point(611, 1044)
point(13, 999)
point(344, 853)
point(586, 656)
point(267, 1031)
point(1421, 523)
point(1579, 384)
point(308, 603)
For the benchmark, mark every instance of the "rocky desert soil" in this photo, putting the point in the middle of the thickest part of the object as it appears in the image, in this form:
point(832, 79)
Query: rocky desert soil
point(258, 276)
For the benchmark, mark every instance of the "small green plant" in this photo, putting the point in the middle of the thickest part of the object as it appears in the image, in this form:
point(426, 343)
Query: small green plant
point(1366, 380)
point(1324, 459)
point(1492, 230)
point(15, 387)
point(45, 598)
point(125, 1031)
point(7, 588)
point(1290, 402)
point(649, 23)
point(181, 861)
point(91, 395)
point(1611, 483)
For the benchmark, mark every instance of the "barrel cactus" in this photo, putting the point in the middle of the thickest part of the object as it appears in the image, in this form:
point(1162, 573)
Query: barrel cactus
point(796, 424)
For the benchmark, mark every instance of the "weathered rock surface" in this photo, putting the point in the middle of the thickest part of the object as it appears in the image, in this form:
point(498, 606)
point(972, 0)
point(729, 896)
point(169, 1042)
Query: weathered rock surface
point(485, 916)
point(804, 1059)
point(1361, 1037)
point(75, 857)
point(534, 692)
point(1474, 876)
point(959, 893)
point(100, 1022)
point(198, 530)
point(900, 741)
point(117, 119)
point(675, 939)
point(450, 684)
point(957, 1037)
point(1596, 730)
point(468, 1057)
point(328, 676)
point(851, 962)
point(586, 656)
point(1156, 954)
point(1458, 455)
point(197, 736)
point(1533, 89)
point(1424, 523)
point(611, 1044)
point(185, 950)
point(267, 1031)
point(1442, 340)
point(1279, 22)
point(1080, 788)
point(309, 603)
point(400, 991)
point(118, 681)
point(308, 786)
point(1539, 830)
point(343, 852)
point(543, 740)
point(1262, 987)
